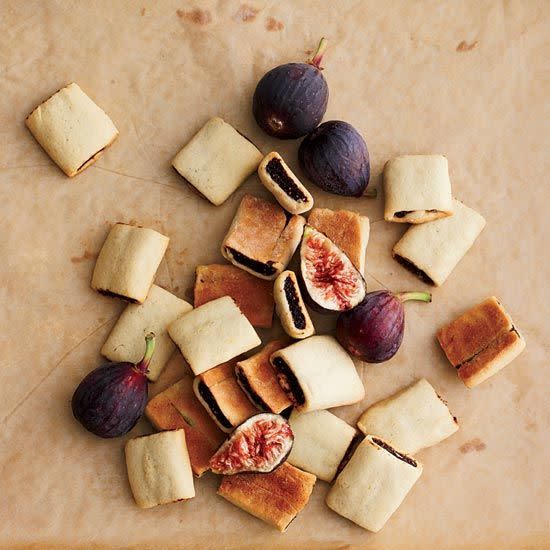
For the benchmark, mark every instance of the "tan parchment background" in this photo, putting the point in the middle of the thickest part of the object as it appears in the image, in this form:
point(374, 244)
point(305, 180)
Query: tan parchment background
point(466, 79)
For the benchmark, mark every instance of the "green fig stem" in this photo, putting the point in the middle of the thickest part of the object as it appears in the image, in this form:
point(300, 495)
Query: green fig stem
point(370, 193)
point(318, 55)
point(422, 296)
point(143, 365)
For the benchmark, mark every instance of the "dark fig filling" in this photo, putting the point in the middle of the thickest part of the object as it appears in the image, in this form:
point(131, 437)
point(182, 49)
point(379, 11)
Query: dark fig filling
point(294, 306)
point(209, 399)
point(247, 388)
point(115, 295)
point(395, 453)
point(289, 382)
point(357, 438)
point(403, 213)
point(413, 269)
point(266, 269)
point(87, 161)
point(279, 175)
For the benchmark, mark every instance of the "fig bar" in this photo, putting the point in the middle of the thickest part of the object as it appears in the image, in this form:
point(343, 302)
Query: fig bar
point(213, 334)
point(253, 296)
point(432, 250)
point(417, 189)
point(276, 498)
point(222, 397)
point(158, 468)
point(261, 240)
point(258, 380)
point(410, 420)
point(481, 342)
point(178, 407)
point(125, 343)
point(322, 443)
point(128, 261)
point(217, 160)
point(72, 129)
point(317, 373)
point(373, 484)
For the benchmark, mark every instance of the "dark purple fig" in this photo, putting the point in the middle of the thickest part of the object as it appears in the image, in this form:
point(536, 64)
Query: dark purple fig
point(260, 444)
point(335, 158)
point(290, 100)
point(331, 280)
point(110, 400)
point(373, 331)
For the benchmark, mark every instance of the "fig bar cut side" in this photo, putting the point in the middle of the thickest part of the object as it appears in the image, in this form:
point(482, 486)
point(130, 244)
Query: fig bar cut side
point(289, 382)
point(278, 174)
point(294, 304)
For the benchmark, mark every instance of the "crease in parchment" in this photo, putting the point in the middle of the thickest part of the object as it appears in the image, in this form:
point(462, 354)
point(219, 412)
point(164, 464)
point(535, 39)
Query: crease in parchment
point(139, 178)
point(377, 280)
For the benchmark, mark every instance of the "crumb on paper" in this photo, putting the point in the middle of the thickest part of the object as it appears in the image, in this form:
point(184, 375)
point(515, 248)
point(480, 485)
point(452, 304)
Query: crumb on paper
point(246, 13)
point(142, 12)
point(197, 16)
point(473, 445)
point(87, 255)
point(274, 25)
point(465, 47)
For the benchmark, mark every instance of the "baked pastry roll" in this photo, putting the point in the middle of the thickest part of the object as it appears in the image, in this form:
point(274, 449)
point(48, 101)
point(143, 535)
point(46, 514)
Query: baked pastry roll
point(317, 373)
point(261, 240)
point(253, 296)
point(290, 306)
point(128, 261)
point(321, 443)
point(481, 342)
point(373, 484)
point(72, 129)
point(258, 380)
point(125, 343)
point(347, 230)
point(217, 160)
point(177, 407)
point(276, 498)
point(212, 334)
point(432, 250)
point(158, 468)
point(287, 189)
point(417, 189)
point(222, 397)
point(411, 419)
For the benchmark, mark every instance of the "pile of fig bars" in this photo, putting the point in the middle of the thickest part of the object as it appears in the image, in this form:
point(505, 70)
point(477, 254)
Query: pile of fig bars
point(257, 413)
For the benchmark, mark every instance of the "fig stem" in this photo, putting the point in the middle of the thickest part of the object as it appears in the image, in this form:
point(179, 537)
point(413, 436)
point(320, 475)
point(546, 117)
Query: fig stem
point(422, 296)
point(318, 55)
point(370, 193)
point(143, 365)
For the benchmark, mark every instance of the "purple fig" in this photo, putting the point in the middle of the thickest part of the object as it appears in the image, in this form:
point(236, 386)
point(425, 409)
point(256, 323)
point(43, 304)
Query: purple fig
point(110, 400)
point(373, 331)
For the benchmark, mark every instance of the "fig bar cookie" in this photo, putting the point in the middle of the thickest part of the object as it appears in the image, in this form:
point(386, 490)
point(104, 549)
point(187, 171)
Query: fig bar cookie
point(72, 129)
point(261, 240)
point(481, 342)
point(213, 334)
point(158, 468)
point(417, 189)
point(178, 407)
point(279, 179)
point(258, 379)
point(410, 420)
point(128, 261)
point(347, 230)
point(322, 442)
point(316, 373)
point(125, 343)
point(217, 160)
point(222, 397)
point(253, 296)
point(432, 250)
point(373, 484)
point(276, 498)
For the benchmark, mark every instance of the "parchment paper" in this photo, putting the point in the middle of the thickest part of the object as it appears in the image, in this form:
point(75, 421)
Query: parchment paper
point(460, 78)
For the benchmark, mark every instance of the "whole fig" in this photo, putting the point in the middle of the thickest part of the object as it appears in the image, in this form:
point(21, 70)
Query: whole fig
point(373, 330)
point(290, 100)
point(110, 400)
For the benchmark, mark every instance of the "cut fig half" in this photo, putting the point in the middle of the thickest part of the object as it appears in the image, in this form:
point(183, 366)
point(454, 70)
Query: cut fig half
point(329, 277)
point(260, 445)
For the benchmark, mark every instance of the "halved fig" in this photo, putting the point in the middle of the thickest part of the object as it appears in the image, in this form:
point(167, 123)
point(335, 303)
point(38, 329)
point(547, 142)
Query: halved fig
point(260, 444)
point(330, 278)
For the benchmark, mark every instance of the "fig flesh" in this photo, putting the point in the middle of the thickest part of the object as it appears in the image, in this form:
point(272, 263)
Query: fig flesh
point(260, 444)
point(336, 159)
point(110, 400)
point(373, 331)
point(290, 100)
point(331, 280)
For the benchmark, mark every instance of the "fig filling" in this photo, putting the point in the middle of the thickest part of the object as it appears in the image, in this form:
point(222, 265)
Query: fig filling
point(414, 269)
point(289, 382)
point(247, 388)
point(279, 175)
point(83, 165)
point(209, 399)
point(357, 438)
point(298, 318)
point(110, 294)
point(403, 213)
point(395, 453)
point(266, 269)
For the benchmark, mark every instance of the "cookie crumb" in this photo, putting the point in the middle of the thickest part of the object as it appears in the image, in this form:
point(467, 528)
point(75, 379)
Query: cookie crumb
point(245, 14)
point(197, 16)
point(472, 445)
point(273, 25)
point(465, 47)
